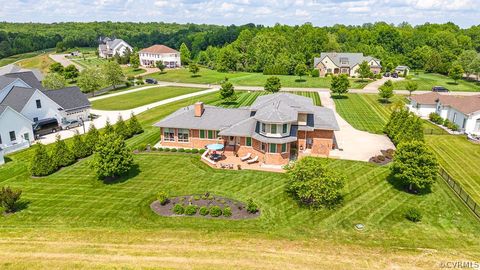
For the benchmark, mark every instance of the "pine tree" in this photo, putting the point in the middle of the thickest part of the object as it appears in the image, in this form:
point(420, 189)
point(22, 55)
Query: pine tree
point(121, 128)
point(61, 154)
point(41, 164)
point(80, 149)
point(91, 138)
point(108, 128)
point(134, 126)
point(112, 157)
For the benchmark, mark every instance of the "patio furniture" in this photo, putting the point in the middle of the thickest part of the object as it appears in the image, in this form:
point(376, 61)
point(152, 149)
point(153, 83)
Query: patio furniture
point(215, 157)
point(253, 160)
point(247, 156)
point(230, 166)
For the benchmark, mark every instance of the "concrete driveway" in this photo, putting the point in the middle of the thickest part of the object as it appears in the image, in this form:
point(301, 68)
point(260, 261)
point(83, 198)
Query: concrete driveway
point(354, 144)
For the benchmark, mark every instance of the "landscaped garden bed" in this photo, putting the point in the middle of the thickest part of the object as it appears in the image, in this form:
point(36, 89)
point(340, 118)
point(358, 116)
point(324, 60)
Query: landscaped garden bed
point(385, 158)
point(204, 205)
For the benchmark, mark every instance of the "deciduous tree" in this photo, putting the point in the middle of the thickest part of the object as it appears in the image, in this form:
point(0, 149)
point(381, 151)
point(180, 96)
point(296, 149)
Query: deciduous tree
point(54, 81)
point(273, 84)
point(364, 70)
point(185, 56)
point(411, 87)
point(90, 80)
point(112, 73)
point(339, 84)
point(456, 72)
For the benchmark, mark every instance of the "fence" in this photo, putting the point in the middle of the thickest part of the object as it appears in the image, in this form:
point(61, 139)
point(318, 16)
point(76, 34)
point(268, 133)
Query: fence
point(457, 188)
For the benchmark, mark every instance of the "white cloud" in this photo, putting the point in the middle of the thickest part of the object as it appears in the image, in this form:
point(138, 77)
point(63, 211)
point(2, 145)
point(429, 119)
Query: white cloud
point(267, 12)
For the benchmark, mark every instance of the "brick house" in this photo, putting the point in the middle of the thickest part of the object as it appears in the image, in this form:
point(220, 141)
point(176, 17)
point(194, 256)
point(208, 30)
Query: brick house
point(344, 63)
point(277, 128)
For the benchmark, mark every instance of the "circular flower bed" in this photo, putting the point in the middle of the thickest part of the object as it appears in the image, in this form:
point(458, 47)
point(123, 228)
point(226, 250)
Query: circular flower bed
point(206, 205)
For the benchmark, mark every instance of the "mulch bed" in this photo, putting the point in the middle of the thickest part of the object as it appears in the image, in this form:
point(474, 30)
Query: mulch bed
point(382, 159)
point(238, 208)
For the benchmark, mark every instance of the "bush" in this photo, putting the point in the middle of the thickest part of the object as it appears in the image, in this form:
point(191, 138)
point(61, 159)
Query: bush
point(201, 151)
point(178, 209)
point(173, 150)
point(215, 211)
point(160, 149)
point(437, 119)
point(9, 198)
point(381, 158)
point(181, 150)
point(203, 211)
point(188, 150)
point(227, 212)
point(166, 149)
point(128, 84)
point(191, 210)
point(162, 197)
point(196, 197)
point(315, 73)
point(130, 78)
point(41, 164)
point(413, 214)
point(252, 207)
point(194, 151)
point(142, 147)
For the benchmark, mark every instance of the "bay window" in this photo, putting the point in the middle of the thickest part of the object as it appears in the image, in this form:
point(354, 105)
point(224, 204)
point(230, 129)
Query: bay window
point(168, 134)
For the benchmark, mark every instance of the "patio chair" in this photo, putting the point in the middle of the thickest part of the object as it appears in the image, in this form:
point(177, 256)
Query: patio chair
point(247, 156)
point(253, 160)
point(230, 166)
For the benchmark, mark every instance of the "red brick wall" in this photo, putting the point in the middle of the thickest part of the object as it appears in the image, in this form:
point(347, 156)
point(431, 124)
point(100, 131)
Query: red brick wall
point(322, 141)
point(194, 140)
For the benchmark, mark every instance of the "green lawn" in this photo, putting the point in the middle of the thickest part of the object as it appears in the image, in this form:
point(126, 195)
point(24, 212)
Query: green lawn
point(89, 62)
point(208, 76)
point(426, 81)
point(246, 98)
point(65, 209)
point(14, 58)
point(140, 98)
point(461, 160)
point(365, 111)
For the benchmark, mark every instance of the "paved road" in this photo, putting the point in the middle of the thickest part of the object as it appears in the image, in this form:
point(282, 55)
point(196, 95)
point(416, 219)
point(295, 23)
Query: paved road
point(112, 116)
point(354, 144)
point(60, 58)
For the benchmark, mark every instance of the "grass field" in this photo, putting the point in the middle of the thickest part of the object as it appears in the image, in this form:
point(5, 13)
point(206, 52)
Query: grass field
point(243, 78)
point(140, 98)
point(426, 81)
point(65, 209)
point(14, 58)
point(41, 62)
point(461, 160)
point(365, 111)
point(246, 98)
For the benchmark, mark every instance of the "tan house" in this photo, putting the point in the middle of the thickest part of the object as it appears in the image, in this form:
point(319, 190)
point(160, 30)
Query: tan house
point(344, 63)
point(276, 128)
point(153, 54)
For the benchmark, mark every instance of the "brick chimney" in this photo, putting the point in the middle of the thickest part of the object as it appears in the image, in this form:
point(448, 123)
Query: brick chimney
point(198, 109)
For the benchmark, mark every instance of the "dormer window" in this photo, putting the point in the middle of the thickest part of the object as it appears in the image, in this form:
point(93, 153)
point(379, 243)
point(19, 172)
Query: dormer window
point(343, 60)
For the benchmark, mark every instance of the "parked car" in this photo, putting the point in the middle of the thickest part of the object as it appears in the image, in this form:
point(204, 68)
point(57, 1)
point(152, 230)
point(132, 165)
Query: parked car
point(45, 126)
point(151, 81)
point(394, 75)
point(439, 89)
point(71, 124)
point(386, 74)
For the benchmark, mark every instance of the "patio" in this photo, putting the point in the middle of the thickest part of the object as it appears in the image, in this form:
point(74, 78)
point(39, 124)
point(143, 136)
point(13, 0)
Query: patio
point(229, 161)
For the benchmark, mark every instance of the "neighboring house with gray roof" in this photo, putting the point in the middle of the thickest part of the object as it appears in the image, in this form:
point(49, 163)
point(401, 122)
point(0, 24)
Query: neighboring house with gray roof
point(276, 128)
point(24, 102)
point(12, 68)
point(109, 48)
point(344, 63)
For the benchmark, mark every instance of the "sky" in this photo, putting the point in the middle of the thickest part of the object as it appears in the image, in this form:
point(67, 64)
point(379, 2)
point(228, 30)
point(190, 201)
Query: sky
point(267, 12)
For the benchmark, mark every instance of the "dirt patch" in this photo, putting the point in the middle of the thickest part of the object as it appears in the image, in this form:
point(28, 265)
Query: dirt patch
point(238, 208)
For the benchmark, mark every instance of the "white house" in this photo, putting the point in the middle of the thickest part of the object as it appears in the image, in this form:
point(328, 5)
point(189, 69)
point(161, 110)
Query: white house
point(109, 48)
point(464, 111)
point(344, 63)
point(151, 55)
point(23, 101)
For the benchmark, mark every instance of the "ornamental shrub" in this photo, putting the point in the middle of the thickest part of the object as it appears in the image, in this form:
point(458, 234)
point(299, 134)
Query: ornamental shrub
point(252, 207)
point(227, 212)
point(188, 150)
point(315, 73)
point(215, 211)
point(41, 164)
point(191, 210)
point(413, 214)
point(61, 154)
point(203, 211)
point(166, 149)
point(434, 117)
point(134, 126)
point(79, 147)
point(194, 151)
point(173, 150)
point(178, 209)
point(181, 150)
point(201, 151)
point(162, 197)
point(9, 198)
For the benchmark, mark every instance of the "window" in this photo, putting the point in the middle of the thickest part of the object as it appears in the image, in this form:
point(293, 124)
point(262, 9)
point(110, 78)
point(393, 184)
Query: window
point(343, 60)
point(0, 139)
point(26, 136)
point(263, 127)
point(210, 134)
point(284, 147)
point(183, 135)
point(39, 103)
point(169, 134)
point(12, 136)
point(248, 141)
point(202, 134)
point(454, 117)
point(273, 148)
point(284, 128)
point(35, 119)
point(273, 128)
point(264, 147)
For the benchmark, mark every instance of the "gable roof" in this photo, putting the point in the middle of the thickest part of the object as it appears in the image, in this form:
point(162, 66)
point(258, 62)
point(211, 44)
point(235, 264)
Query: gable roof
point(4, 81)
point(463, 104)
point(158, 49)
point(18, 97)
point(12, 68)
point(68, 98)
point(352, 59)
point(28, 77)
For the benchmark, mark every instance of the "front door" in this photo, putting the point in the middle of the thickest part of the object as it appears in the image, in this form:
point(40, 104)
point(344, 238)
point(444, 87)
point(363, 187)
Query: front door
point(231, 141)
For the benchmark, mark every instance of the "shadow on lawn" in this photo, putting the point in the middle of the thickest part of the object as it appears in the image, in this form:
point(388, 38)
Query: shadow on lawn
point(339, 97)
point(134, 171)
point(300, 80)
point(401, 187)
